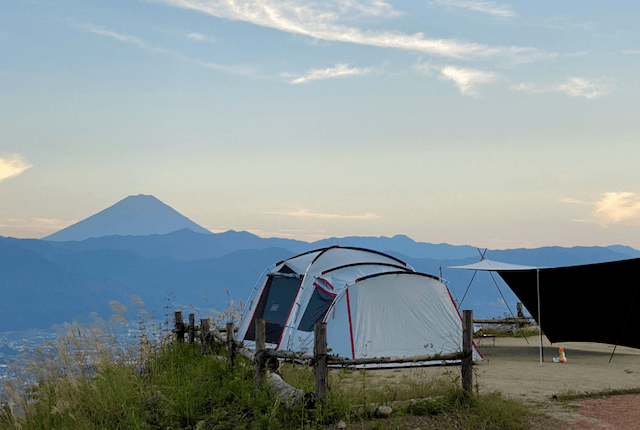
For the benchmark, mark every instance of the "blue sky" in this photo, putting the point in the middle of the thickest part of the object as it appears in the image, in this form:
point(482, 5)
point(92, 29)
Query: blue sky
point(495, 124)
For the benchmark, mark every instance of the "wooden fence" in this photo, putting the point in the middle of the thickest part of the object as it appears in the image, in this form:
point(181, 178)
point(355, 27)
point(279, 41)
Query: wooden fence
point(320, 359)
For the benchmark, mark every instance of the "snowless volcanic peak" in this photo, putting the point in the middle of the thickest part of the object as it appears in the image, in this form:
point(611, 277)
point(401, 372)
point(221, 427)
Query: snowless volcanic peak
point(139, 215)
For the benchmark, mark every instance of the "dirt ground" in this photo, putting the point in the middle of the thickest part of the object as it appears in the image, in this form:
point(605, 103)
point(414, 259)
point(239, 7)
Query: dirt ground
point(512, 367)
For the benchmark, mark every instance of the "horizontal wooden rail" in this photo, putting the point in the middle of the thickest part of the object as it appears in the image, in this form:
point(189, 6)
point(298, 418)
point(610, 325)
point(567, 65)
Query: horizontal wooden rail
point(502, 320)
point(392, 360)
point(320, 359)
point(289, 355)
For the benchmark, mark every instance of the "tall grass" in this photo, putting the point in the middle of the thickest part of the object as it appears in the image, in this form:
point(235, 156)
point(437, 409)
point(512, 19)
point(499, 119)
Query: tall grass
point(94, 377)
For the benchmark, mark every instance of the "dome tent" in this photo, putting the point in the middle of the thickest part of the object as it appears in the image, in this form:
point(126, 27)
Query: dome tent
point(374, 305)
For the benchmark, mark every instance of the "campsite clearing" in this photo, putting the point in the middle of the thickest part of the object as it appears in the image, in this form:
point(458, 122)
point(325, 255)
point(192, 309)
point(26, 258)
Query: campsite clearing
point(513, 368)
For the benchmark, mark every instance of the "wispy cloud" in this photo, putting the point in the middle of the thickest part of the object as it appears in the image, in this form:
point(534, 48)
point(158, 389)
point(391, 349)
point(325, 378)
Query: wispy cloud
point(308, 213)
point(575, 201)
point(573, 87)
point(135, 41)
point(631, 51)
point(305, 235)
point(467, 80)
point(490, 7)
point(34, 226)
point(612, 208)
point(12, 165)
point(339, 71)
point(326, 21)
point(199, 37)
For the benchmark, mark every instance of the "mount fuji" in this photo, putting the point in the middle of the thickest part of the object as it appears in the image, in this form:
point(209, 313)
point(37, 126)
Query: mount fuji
point(139, 215)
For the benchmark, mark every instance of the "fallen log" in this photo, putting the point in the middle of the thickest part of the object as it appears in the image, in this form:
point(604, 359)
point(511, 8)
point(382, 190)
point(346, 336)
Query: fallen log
point(285, 392)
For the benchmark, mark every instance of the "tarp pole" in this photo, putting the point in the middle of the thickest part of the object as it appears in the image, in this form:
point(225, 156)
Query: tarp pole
point(623, 325)
point(539, 320)
point(508, 307)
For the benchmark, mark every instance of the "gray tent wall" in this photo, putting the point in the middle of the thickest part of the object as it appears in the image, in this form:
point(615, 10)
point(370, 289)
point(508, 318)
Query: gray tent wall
point(374, 305)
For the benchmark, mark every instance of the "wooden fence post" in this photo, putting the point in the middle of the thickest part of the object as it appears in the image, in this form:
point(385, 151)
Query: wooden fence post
point(320, 360)
point(467, 350)
point(192, 328)
point(231, 347)
point(260, 357)
point(179, 325)
point(204, 335)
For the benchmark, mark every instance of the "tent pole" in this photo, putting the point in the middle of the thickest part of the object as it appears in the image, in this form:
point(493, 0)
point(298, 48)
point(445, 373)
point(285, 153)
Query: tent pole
point(508, 307)
point(539, 321)
point(623, 325)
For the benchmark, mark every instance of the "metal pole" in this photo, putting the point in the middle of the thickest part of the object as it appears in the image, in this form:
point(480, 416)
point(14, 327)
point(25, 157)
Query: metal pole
point(539, 320)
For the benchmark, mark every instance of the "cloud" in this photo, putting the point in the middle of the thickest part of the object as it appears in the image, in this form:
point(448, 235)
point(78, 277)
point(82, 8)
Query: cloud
point(612, 208)
point(579, 87)
point(573, 87)
point(575, 201)
point(12, 165)
point(326, 21)
point(135, 41)
point(305, 235)
point(199, 37)
point(615, 208)
point(339, 71)
point(90, 28)
point(33, 227)
point(490, 7)
point(307, 213)
point(466, 79)
point(631, 51)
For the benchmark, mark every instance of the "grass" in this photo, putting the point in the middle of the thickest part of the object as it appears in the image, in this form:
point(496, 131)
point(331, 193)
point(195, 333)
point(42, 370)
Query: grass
point(412, 394)
point(572, 395)
point(177, 388)
point(91, 378)
point(510, 330)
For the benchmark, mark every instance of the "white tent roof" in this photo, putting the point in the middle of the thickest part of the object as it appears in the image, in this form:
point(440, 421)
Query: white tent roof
point(492, 266)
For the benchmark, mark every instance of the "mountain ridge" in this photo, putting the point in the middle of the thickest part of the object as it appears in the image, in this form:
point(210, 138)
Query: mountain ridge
point(187, 264)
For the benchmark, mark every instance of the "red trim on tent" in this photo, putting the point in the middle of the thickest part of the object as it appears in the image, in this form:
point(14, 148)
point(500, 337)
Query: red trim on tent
point(326, 282)
point(328, 293)
point(353, 350)
point(289, 314)
point(460, 316)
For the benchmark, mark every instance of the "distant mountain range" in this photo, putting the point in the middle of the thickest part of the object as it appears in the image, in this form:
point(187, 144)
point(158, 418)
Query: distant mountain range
point(154, 252)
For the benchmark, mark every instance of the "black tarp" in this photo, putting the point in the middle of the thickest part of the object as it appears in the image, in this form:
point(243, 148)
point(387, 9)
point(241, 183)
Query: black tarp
point(588, 303)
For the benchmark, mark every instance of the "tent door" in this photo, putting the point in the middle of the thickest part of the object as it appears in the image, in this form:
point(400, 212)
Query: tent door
point(274, 306)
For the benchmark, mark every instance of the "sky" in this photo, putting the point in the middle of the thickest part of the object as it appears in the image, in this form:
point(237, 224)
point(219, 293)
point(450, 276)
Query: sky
point(494, 124)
